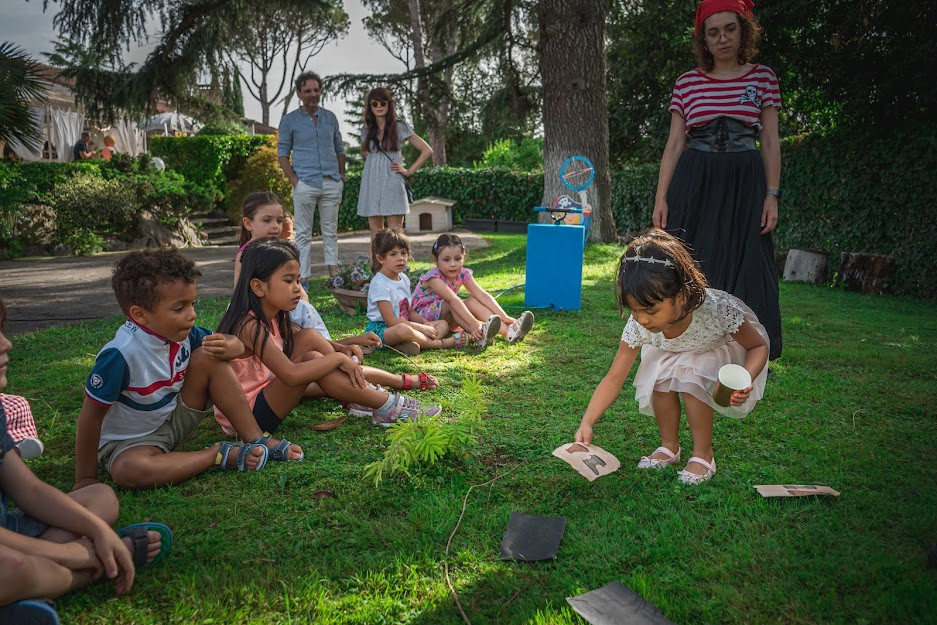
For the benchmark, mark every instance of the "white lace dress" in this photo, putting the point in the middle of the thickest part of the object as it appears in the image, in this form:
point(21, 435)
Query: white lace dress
point(690, 362)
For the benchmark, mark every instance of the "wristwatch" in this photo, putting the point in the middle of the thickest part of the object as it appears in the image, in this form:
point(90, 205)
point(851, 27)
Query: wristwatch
point(776, 193)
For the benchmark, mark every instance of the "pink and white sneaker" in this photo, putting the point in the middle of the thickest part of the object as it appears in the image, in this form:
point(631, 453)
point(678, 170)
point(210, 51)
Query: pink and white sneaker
point(403, 409)
point(360, 410)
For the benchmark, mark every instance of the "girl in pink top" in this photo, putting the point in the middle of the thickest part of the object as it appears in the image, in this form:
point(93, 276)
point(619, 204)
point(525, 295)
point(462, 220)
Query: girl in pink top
point(283, 364)
point(480, 315)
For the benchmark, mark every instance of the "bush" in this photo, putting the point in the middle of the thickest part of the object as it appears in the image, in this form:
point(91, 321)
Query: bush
point(865, 192)
point(481, 194)
point(846, 192)
point(89, 205)
point(90, 200)
point(524, 155)
point(261, 172)
point(210, 160)
point(633, 191)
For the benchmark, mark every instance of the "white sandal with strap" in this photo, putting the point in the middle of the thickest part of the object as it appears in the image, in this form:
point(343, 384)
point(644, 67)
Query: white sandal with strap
point(692, 478)
point(657, 463)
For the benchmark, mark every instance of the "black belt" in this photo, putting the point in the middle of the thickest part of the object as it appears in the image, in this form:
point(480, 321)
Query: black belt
point(723, 135)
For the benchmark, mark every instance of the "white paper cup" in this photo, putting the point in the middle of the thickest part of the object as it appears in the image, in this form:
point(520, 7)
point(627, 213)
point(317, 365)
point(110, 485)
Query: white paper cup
point(731, 378)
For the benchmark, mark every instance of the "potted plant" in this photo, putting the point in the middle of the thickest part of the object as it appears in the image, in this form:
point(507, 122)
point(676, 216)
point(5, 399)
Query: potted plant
point(350, 286)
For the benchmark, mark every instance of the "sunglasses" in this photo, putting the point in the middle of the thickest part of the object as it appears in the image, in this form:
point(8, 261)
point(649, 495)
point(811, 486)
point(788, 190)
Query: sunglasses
point(378, 103)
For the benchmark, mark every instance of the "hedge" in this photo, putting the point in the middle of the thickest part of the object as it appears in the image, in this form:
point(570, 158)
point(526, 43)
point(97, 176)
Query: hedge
point(207, 160)
point(89, 199)
point(865, 192)
point(480, 194)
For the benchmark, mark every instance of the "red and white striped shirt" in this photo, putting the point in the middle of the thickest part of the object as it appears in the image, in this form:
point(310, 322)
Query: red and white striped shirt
point(699, 98)
point(20, 422)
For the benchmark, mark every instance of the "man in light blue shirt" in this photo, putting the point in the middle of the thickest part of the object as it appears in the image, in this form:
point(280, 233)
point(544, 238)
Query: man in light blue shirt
point(311, 155)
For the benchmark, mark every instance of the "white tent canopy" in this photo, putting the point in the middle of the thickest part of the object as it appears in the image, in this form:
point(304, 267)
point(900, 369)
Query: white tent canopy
point(170, 122)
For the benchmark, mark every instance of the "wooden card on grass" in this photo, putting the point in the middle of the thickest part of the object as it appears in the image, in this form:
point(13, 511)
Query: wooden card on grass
point(794, 490)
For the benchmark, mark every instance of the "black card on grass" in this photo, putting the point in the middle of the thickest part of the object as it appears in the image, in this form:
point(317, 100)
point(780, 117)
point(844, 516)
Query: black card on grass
point(532, 538)
point(615, 604)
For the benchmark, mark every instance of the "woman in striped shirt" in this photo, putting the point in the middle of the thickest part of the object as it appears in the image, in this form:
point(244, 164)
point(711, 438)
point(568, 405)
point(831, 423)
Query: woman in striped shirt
point(715, 190)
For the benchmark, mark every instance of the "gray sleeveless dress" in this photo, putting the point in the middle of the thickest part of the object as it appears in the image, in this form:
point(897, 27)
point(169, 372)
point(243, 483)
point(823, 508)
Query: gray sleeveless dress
point(382, 192)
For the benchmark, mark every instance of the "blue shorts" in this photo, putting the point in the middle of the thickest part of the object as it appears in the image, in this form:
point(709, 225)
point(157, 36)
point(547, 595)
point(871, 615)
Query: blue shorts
point(378, 328)
point(18, 521)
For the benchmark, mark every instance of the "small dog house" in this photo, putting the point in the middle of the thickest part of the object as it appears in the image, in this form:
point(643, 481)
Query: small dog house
point(429, 214)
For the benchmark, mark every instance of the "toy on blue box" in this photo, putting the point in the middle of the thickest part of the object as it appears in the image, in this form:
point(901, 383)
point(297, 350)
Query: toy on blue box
point(554, 252)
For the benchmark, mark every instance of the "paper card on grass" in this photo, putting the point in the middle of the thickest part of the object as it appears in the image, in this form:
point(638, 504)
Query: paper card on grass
point(794, 490)
point(532, 538)
point(616, 604)
point(590, 461)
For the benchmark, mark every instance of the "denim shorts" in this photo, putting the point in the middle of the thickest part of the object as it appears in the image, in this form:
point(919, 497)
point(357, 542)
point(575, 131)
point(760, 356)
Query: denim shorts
point(18, 521)
point(378, 328)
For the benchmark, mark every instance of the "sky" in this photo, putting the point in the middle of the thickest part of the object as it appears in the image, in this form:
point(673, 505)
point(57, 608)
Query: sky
point(25, 24)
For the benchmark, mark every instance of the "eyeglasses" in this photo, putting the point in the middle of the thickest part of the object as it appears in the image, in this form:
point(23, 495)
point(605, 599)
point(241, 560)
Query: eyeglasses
point(378, 103)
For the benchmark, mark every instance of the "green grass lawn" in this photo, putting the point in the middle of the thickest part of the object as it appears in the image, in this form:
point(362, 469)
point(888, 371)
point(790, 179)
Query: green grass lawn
point(849, 405)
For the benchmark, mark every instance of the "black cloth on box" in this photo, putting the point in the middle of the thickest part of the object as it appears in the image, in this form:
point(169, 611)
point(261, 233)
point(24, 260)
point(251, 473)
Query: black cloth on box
point(532, 538)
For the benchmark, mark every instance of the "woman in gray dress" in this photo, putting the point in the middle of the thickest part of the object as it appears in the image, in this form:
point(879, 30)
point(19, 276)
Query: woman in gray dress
point(382, 194)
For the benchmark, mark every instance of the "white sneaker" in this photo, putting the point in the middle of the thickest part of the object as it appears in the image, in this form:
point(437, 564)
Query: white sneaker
point(647, 462)
point(692, 478)
point(521, 326)
point(30, 448)
point(403, 409)
point(489, 331)
point(360, 410)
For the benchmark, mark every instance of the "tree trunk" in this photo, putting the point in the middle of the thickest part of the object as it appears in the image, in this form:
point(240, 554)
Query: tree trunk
point(575, 114)
point(436, 128)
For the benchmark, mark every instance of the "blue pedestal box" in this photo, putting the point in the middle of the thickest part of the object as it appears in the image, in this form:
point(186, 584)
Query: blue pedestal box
point(554, 266)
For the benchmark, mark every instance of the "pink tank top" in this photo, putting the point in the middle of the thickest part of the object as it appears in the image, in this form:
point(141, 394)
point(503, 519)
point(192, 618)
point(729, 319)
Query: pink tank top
point(253, 375)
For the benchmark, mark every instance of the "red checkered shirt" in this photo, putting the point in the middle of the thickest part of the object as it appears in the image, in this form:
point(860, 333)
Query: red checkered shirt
point(20, 422)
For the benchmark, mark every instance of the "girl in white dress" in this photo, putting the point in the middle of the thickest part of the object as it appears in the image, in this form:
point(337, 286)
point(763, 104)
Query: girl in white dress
point(684, 332)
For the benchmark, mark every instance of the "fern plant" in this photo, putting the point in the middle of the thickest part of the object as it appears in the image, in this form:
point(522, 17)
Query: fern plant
point(416, 444)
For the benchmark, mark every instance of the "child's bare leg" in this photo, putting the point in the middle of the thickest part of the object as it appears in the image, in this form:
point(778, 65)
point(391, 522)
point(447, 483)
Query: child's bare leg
point(215, 379)
point(667, 413)
point(455, 318)
point(24, 576)
point(482, 312)
point(375, 224)
point(98, 499)
point(403, 333)
point(700, 417)
point(392, 380)
point(146, 466)
point(338, 386)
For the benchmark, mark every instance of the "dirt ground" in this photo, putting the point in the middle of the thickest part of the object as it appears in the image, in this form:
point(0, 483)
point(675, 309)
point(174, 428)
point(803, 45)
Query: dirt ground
point(44, 292)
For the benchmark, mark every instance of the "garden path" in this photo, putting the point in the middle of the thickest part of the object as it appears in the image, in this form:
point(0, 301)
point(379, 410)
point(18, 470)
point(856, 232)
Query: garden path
point(41, 292)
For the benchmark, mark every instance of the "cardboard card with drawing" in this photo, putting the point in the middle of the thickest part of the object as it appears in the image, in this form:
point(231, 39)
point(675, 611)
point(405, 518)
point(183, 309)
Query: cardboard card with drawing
point(590, 462)
point(794, 490)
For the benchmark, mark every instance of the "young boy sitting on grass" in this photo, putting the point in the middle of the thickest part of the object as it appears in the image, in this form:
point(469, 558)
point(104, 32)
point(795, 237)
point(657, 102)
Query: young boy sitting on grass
point(157, 379)
point(53, 542)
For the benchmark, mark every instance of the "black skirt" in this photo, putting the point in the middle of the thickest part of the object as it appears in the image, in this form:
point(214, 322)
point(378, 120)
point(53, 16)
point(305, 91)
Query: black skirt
point(715, 202)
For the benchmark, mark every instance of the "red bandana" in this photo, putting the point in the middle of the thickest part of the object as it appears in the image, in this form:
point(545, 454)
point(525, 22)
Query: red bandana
point(710, 7)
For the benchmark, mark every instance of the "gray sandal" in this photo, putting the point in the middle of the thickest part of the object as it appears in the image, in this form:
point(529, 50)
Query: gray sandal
point(224, 450)
point(280, 453)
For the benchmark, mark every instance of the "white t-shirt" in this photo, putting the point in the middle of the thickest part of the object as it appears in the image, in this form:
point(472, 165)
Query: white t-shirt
point(383, 289)
point(305, 316)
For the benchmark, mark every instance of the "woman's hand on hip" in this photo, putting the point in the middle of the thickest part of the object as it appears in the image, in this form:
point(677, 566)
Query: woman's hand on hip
point(660, 213)
point(769, 214)
point(400, 169)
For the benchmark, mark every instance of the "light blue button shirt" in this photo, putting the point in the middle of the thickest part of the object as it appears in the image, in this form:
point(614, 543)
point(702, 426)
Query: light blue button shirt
point(315, 146)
